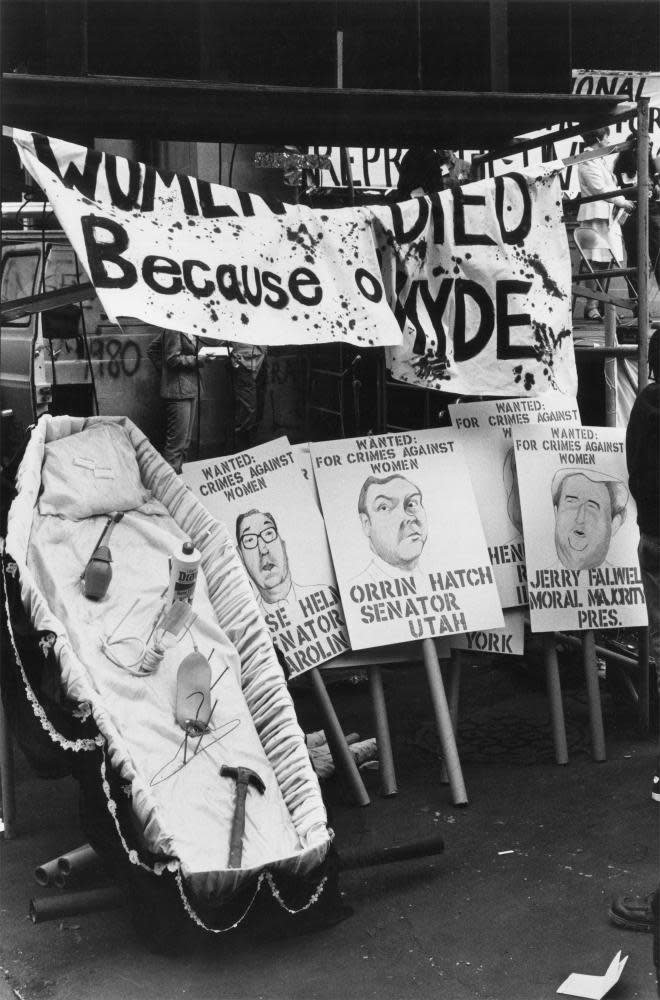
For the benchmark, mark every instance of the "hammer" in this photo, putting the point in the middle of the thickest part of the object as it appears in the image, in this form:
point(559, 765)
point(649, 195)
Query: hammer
point(243, 777)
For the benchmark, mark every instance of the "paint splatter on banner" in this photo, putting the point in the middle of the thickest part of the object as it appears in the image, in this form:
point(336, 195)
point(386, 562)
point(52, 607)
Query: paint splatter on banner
point(482, 288)
point(216, 263)
point(470, 288)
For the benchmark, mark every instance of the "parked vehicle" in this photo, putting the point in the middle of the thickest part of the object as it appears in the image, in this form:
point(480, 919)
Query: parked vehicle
point(72, 359)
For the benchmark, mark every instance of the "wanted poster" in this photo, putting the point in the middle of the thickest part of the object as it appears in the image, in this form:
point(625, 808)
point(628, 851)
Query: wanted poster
point(266, 502)
point(508, 640)
point(405, 535)
point(485, 432)
point(580, 528)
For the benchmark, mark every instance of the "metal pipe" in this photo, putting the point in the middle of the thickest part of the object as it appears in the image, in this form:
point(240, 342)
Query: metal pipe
point(520, 145)
point(623, 351)
point(583, 200)
point(602, 651)
point(609, 366)
point(45, 874)
point(606, 273)
point(351, 859)
point(69, 904)
point(7, 772)
point(78, 861)
point(643, 241)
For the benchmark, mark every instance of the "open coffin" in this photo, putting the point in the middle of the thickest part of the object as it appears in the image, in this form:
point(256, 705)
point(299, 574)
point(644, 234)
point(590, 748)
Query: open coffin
point(74, 473)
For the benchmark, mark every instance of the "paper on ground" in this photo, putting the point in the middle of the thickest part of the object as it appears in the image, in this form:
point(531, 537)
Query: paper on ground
point(594, 987)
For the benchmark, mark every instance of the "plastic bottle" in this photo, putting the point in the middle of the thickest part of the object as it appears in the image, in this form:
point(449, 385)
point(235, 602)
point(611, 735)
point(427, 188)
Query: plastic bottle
point(193, 693)
point(184, 567)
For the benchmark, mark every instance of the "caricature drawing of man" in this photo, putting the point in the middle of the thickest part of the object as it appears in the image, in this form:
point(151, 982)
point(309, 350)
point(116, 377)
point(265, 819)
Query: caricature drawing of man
point(511, 489)
point(590, 507)
point(394, 521)
point(265, 557)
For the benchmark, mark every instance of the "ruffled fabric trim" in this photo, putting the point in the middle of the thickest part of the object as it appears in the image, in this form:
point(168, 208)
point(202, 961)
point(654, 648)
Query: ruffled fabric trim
point(46, 724)
point(175, 866)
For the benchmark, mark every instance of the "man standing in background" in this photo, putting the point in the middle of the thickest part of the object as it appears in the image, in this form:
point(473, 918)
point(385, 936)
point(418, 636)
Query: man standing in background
point(179, 390)
point(247, 377)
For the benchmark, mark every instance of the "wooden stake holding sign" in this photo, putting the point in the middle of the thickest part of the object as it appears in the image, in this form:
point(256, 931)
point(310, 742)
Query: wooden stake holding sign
point(408, 571)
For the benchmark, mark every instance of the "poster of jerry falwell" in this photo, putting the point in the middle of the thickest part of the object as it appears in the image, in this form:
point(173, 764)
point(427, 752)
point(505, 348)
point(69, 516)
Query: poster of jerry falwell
point(270, 507)
point(406, 540)
point(580, 528)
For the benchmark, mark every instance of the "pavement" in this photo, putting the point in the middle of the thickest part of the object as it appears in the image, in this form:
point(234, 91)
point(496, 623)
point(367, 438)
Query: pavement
point(517, 900)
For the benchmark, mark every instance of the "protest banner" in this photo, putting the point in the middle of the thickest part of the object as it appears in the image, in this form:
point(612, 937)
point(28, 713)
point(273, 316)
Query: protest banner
point(485, 432)
point(266, 502)
point(580, 528)
point(188, 255)
point(478, 277)
point(625, 84)
point(482, 281)
point(405, 536)
point(509, 640)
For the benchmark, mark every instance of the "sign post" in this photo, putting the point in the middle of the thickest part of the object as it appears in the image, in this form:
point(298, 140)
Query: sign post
point(409, 551)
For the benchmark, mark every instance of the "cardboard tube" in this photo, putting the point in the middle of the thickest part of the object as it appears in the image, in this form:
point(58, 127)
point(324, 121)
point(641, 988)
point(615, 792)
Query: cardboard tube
point(45, 873)
point(69, 904)
point(78, 861)
point(424, 848)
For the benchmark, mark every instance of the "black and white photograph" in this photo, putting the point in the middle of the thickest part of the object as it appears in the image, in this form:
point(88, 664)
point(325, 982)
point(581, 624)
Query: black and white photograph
point(330, 512)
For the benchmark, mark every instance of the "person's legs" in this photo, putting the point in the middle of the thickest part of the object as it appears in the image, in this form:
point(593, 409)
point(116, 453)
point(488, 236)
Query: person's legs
point(593, 308)
point(192, 413)
point(654, 240)
point(649, 563)
point(640, 913)
point(245, 406)
point(179, 423)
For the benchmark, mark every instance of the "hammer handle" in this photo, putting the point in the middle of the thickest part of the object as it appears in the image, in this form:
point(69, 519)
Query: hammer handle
point(238, 826)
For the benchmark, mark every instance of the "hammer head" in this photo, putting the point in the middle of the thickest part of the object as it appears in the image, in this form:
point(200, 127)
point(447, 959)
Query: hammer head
point(243, 776)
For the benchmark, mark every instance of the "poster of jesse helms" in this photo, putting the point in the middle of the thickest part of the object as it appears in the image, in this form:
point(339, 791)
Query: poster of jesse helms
point(580, 528)
point(405, 535)
point(271, 510)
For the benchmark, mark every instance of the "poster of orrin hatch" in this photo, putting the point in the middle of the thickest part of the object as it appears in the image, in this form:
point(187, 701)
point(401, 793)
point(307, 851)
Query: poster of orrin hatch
point(406, 540)
point(580, 528)
point(270, 508)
